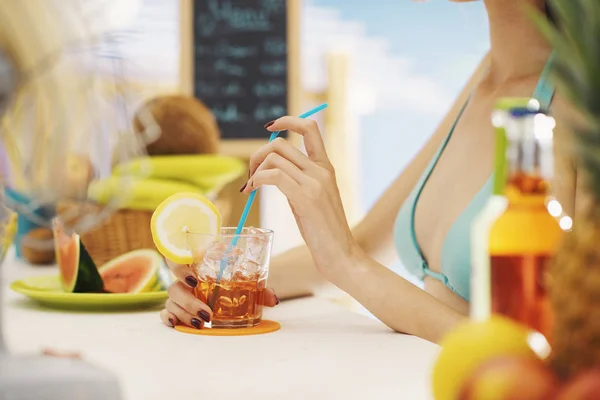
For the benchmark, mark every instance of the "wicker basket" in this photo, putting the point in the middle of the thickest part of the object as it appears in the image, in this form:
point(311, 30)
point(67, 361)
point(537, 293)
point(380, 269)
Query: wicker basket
point(123, 231)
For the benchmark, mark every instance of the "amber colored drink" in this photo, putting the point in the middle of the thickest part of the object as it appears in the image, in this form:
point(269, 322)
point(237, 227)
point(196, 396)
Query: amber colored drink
point(232, 270)
point(522, 241)
point(236, 303)
point(518, 290)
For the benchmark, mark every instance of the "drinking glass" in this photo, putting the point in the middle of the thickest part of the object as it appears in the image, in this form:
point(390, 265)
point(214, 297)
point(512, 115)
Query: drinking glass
point(232, 272)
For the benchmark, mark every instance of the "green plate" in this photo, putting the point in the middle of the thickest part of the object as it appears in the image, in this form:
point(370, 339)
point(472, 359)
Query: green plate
point(47, 290)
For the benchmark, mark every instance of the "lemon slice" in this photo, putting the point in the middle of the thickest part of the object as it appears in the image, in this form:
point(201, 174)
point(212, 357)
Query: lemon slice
point(177, 215)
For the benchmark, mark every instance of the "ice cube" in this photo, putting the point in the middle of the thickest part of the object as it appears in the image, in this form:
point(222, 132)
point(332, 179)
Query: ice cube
point(256, 237)
point(251, 268)
point(230, 261)
point(255, 247)
point(215, 252)
point(205, 271)
point(253, 254)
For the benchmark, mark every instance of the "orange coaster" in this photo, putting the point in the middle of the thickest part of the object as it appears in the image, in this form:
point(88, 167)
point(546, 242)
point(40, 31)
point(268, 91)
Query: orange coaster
point(265, 326)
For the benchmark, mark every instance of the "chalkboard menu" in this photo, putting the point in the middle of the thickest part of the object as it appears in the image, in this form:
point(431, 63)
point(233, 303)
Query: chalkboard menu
point(240, 63)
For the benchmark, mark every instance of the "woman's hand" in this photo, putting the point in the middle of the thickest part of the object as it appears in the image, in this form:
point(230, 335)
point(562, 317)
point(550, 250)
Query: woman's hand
point(310, 186)
point(183, 307)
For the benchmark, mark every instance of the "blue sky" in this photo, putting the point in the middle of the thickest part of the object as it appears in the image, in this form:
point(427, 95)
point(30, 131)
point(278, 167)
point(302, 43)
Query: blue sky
point(437, 34)
point(444, 41)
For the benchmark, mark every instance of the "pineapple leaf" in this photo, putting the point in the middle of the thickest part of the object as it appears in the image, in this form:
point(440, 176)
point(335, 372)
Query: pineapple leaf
point(590, 159)
point(570, 13)
point(574, 87)
point(569, 38)
point(575, 38)
point(591, 36)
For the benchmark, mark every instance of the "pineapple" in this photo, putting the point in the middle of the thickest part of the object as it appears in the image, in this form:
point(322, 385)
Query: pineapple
point(575, 270)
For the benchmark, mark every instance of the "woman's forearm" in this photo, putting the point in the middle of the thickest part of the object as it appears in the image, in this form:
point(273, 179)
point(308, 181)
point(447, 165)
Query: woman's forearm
point(395, 301)
point(293, 274)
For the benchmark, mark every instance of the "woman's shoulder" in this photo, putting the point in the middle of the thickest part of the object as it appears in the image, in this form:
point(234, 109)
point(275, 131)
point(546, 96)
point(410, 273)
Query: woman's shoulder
point(455, 108)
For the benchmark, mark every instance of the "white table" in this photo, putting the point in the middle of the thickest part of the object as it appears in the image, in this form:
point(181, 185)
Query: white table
point(322, 351)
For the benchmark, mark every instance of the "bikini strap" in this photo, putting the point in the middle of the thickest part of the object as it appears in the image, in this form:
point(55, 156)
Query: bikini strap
point(544, 91)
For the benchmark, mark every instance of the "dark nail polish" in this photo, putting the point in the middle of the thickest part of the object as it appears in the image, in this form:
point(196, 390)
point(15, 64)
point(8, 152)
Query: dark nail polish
point(172, 322)
point(248, 174)
point(190, 280)
point(244, 187)
point(196, 323)
point(204, 315)
point(276, 298)
point(268, 124)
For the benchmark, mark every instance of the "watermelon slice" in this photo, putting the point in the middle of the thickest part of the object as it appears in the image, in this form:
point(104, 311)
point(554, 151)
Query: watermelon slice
point(78, 272)
point(136, 272)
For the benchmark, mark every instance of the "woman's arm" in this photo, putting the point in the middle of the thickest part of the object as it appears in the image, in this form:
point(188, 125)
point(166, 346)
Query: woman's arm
point(309, 183)
point(293, 273)
point(333, 252)
point(396, 302)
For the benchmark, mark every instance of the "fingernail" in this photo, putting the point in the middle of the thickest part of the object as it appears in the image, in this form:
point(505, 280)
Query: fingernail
point(190, 280)
point(196, 323)
point(172, 322)
point(268, 124)
point(204, 315)
point(243, 187)
point(248, 174)
point(276, 298)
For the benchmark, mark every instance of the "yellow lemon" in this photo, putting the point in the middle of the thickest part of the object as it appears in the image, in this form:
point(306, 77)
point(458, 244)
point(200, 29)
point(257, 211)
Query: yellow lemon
point(473, 343)
point(175, 217)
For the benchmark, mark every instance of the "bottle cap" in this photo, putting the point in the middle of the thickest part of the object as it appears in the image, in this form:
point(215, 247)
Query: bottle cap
point(517, 112)
point(499, 117)
point(530, 142)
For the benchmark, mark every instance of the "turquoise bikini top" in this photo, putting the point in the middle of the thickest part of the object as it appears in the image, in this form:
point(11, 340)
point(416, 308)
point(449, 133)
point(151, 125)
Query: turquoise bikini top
point(456, 249)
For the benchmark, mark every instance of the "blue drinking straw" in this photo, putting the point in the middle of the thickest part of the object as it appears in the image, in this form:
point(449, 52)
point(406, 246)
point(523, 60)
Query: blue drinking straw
point(252, 195)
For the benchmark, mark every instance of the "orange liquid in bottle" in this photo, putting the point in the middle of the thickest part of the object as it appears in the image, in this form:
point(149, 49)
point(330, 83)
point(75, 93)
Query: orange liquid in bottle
point(522, 241)
point(519, 290)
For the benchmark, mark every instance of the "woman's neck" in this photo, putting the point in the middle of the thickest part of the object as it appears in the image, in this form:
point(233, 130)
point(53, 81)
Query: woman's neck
point(518, 50)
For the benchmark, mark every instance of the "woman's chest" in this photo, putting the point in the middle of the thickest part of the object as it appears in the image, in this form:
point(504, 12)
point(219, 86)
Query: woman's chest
point(460, 172)
point(453, 188)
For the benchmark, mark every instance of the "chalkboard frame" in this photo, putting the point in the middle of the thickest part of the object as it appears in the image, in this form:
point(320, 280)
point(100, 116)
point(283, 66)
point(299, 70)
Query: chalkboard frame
point(243, 148)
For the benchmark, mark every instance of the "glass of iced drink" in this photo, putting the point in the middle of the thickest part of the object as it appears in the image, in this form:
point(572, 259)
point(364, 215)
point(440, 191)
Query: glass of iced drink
point(242, 262)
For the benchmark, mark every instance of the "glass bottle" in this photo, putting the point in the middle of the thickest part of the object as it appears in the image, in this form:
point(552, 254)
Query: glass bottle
point(480, 304)
point(524, 238)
